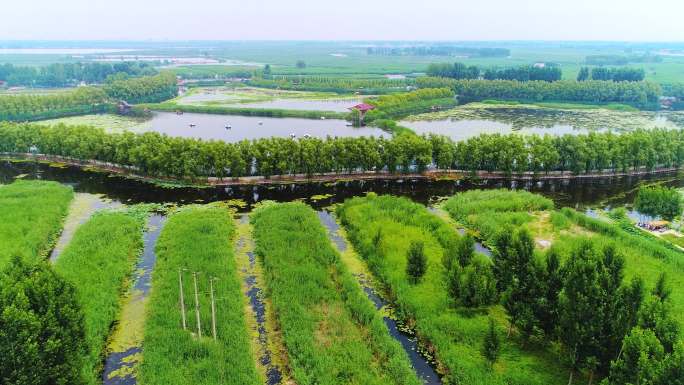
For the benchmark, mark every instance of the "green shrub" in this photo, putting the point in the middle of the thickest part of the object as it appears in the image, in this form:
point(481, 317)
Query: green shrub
point(32, 216)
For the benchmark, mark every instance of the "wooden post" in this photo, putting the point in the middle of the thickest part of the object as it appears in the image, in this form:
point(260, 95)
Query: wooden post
point(182, 300)
point(197, 312)
point(213, 308)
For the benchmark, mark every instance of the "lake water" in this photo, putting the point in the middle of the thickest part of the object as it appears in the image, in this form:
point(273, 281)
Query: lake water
point(464, 129)
point(336, 105)
point(240, 98)
point(474, 119)
point(211, 126)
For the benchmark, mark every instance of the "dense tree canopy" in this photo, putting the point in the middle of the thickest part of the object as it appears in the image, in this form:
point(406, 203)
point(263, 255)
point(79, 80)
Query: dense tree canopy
point(155, 154)
point(42, 338)
point(547, 72)
point(69, 74)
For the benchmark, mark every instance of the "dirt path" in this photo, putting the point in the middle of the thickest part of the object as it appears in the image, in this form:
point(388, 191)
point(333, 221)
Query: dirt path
point(81, 209)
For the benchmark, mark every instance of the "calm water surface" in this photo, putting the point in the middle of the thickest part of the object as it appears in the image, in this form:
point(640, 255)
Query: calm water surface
point(212, 126)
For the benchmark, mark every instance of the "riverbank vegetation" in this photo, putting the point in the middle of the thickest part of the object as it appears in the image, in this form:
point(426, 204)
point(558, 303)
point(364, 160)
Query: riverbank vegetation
point(98, 262)
point(154, 154)
point(639, 94)
point(197, 239)
point(564, 244)
point(449, 319)
point(403, 104)
point(332, 332)
point(32, 216)
point(659, 201)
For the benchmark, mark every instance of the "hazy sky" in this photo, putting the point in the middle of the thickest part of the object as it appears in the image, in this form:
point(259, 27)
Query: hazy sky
point(343, 20)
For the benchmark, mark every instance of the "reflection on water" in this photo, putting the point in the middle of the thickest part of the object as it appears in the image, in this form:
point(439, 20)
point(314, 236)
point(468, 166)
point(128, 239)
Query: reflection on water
point(577, 193)
point(336, 105)
point(211, 126)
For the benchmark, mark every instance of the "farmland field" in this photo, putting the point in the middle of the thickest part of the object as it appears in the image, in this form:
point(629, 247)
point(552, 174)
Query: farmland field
point(197, 240)
point(331, 330)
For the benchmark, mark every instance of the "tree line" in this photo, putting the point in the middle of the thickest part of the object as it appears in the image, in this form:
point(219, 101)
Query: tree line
point(86, 100)
point(332, 84)
point(640, 94)
point(614, 74)
point(155, 154)
point(438, 50)
point(548, 72)
point(69, 74)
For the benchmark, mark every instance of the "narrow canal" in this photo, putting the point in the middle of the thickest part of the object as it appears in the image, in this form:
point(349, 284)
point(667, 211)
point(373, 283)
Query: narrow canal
point(421, 364)
point(125, 344)
point(576, 193)
point(252, 281)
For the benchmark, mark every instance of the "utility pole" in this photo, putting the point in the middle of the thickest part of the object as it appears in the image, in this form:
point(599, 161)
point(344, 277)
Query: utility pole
point(213, 308)
point(197, 312)
point(182, 300)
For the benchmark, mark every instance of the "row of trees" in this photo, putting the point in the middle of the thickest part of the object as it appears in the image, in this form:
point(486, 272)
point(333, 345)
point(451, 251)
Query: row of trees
point(82, 100)
point(155, 154)
point(85, 100)
point(614, 74)
point(640, 94)
point(524, 73)
point(659, 201)
point(68, 74)
point(332, 84)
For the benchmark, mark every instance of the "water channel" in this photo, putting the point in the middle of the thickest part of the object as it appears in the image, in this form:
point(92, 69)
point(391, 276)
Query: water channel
point(577, 193)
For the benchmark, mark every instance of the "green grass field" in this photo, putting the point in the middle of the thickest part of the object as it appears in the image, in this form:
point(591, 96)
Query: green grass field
point(32, 216)
point(332, 332)
point(454, 334)
point(98, 262)
point(646, 256)
point(197, 239)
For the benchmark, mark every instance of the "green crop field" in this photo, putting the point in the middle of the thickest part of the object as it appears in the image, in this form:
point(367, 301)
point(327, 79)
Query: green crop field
point(197, 239)
point(331, 331)
point(32, 216)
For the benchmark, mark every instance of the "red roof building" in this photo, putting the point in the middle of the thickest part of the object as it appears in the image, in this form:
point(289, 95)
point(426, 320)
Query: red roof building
point(363, 107)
